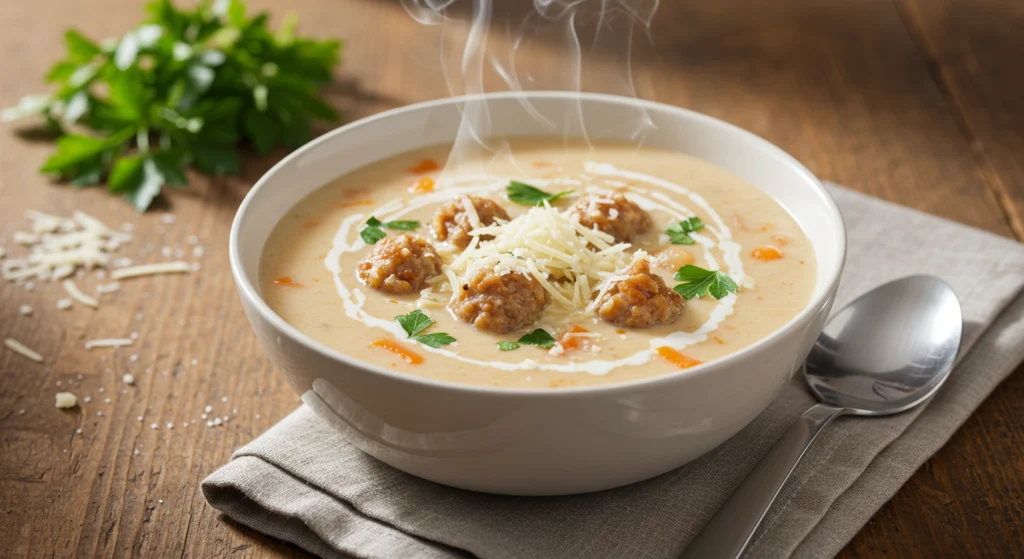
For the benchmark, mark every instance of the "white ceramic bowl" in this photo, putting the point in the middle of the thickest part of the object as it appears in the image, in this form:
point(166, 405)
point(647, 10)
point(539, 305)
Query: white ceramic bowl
point(536, 441)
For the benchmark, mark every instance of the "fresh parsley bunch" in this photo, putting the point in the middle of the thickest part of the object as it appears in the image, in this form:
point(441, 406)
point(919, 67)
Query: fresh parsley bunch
point(186, 87)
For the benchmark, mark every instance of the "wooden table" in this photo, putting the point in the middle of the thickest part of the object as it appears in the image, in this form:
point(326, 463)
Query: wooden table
point(915, 101)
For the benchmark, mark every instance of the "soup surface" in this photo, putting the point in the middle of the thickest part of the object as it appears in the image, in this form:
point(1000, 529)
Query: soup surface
point(552, 295)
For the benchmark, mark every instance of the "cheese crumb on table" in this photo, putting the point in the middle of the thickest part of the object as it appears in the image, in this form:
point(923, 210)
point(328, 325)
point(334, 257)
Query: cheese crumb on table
point(25, 310)
point(66, 400)
point(128, 379)
point(64, 304)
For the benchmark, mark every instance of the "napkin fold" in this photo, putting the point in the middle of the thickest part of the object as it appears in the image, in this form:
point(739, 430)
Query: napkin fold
point(303, 483)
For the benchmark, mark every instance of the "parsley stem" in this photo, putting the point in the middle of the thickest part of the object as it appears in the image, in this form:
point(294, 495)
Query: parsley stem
point(142, 139)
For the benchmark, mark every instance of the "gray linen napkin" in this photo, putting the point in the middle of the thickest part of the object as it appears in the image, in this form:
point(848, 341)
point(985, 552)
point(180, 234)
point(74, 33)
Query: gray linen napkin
point(301, 482)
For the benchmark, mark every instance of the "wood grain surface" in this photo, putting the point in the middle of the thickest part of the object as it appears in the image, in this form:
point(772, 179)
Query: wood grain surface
point(915, 101)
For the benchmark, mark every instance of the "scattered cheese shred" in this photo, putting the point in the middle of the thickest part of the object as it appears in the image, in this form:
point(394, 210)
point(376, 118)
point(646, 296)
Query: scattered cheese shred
point(178, 267)
point(109, 342)
point(77, 294)
point(22, 350)
point(109, 288)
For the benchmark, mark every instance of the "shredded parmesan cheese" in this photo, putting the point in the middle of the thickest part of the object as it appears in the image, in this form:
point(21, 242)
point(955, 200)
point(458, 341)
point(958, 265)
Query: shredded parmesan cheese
point(22, 350)
point(178, 267)
point(109, 342)
point(59, 246)
point(77, 294)
point(567, 259)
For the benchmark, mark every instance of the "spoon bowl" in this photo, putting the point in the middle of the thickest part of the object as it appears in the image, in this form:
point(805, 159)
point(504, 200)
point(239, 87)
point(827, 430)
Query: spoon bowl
point(916, 320)
point(886, 352)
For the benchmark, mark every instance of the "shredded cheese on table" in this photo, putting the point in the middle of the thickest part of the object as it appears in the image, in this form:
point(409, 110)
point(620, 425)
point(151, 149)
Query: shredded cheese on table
point(59, 246)
point(178, 267)
point(109, 342)
point(23, 350)
point(77, 295)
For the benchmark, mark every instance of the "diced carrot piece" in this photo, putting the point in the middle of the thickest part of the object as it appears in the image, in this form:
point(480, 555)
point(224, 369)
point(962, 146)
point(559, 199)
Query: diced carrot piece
point(676, 358)
point(286, 281)
point(354, 204)
point(398, 349)
point(569, 342)
point(766, 253)
point(426, 184)
point(425, 166)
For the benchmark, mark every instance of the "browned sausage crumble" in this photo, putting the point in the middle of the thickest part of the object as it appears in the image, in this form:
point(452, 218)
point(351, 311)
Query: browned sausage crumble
point(399, 265)
point(499, 303)
point(451, 222)
point(615, 215)
point(639, 300)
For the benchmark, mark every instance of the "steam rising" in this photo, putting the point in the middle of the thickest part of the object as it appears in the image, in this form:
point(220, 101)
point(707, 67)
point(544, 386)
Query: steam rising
point(583, 32)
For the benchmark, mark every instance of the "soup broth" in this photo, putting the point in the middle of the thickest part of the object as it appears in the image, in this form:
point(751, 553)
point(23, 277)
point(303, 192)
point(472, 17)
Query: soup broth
point(675, 211)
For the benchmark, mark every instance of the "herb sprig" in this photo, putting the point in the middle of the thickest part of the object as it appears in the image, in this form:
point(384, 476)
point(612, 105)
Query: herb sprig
point(527, 195)
point(373, 231)
point(679, 232)
point(416, 322)
point(698, 282)
point(539, 337)
point(185, 88)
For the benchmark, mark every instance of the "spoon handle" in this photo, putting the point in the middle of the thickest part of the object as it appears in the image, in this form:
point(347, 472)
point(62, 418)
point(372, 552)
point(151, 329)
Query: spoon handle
point(728, 533)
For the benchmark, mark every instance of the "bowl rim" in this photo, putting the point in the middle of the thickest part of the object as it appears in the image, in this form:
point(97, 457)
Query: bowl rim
point(248, 291)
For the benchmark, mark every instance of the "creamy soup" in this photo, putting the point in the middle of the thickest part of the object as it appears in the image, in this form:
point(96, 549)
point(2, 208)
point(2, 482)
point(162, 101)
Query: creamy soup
point(501, 284)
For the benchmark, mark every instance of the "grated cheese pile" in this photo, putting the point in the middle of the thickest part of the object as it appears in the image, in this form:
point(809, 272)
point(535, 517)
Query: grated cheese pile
point(570, 261)
point(59, 246)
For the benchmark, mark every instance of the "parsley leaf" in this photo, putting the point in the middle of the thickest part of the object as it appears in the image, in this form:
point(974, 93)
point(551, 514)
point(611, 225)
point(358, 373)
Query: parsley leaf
point(539, 338)
point(373, 231)
point(507, 346)
point(679, 232)
point(371, 234)
point(401, 225)
point(698, 282)
point(414, 322)
point(522, 193)
point(189, 86)
point(434, 340)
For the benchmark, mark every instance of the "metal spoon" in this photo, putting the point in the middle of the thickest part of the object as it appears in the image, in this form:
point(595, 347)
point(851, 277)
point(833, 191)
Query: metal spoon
point(886, 352)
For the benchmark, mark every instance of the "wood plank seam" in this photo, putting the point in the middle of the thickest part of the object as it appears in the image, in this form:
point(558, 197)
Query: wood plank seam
point(947, 88)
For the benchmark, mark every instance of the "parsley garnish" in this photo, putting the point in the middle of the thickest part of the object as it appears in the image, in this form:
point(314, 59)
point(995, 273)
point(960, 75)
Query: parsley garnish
point(416, 322)
point(539, 338)
point(434, 340)
point(679, 232)
point(522, 193)
point(185, 88)
point(373, 232)
point(698, 282)
point(507, 346)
